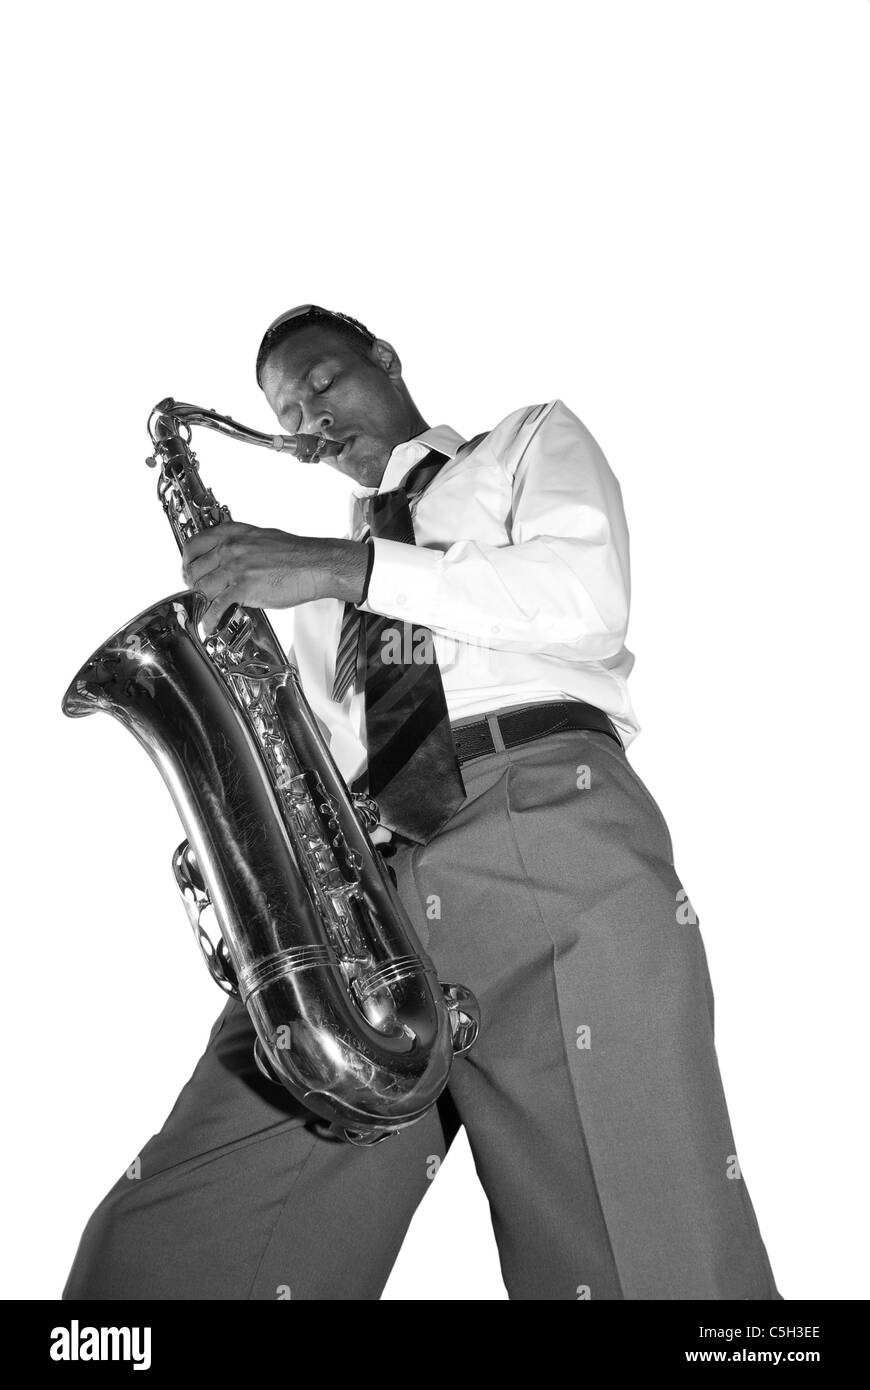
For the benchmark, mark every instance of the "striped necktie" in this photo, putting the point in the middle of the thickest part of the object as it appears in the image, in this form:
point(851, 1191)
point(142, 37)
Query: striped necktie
point(412, 769)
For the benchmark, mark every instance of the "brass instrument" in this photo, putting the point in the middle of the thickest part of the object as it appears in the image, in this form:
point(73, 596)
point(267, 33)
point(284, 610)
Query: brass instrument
point(347, 1008)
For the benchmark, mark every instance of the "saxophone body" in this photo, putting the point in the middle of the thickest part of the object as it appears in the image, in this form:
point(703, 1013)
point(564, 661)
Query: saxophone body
point(347, 1008)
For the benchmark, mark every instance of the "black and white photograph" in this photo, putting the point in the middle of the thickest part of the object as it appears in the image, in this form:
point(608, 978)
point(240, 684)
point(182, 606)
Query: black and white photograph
point(435, 756)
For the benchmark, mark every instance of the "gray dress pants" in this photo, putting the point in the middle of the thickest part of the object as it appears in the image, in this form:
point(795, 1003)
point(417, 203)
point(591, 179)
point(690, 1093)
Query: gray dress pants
point(592, 1100)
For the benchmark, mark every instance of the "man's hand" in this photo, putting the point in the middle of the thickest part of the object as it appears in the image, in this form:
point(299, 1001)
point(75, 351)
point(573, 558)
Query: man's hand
point(264, 568)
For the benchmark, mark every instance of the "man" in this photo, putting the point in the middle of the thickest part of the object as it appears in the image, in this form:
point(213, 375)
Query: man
point(463, 649)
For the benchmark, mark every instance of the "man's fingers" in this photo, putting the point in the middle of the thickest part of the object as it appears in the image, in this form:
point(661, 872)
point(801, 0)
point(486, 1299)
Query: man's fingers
point(195, 571)
point(208, 548)
point(224, 600)
point(212, 536)
point(212, 584)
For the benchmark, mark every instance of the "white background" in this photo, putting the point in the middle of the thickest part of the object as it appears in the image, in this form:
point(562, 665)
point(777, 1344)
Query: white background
point(657, 212)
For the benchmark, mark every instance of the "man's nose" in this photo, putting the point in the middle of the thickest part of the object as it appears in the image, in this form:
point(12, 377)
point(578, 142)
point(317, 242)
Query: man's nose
point(316, 421)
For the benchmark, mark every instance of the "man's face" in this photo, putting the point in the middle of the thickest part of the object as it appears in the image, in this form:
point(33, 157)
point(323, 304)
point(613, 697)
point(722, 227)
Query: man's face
point(317, 383)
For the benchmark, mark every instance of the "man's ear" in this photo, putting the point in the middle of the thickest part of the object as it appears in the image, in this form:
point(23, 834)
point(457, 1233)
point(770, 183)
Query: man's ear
point(386, 357)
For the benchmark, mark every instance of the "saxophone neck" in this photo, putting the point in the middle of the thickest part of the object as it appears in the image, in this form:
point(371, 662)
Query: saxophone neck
point(169, 417)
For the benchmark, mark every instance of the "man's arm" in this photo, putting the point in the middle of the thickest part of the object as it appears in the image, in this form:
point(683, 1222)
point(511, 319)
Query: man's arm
point(562, 587)
point(266, 568)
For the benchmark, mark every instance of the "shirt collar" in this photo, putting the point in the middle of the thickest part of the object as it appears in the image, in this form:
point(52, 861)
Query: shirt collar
point(405, 455)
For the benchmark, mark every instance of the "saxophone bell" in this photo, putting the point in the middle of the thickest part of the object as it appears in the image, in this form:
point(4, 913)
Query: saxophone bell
point(347, 1008)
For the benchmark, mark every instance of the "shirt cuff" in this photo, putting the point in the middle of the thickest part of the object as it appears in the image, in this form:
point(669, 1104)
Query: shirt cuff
point(402, 580)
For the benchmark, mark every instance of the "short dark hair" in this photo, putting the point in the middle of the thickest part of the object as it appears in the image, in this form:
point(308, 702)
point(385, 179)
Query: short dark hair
point(303, 317)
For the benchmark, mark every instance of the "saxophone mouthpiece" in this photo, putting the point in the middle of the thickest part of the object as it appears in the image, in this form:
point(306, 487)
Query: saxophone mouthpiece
point(309, 448)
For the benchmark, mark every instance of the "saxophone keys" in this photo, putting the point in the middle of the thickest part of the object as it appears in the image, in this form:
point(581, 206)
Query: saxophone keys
point(464, 1015)
point(196, 899)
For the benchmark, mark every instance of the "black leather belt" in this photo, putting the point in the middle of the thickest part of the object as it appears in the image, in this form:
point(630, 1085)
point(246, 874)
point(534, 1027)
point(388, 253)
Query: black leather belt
point(527, 723)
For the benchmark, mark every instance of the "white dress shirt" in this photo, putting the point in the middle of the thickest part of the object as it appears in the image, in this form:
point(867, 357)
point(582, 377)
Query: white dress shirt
point(520, 570)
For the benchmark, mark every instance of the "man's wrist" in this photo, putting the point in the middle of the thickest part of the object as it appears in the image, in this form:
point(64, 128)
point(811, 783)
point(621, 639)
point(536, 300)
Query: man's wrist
point(370, 560)
point(352, 570)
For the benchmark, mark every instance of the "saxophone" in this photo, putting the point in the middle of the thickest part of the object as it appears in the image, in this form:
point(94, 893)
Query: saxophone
point(312, 937)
